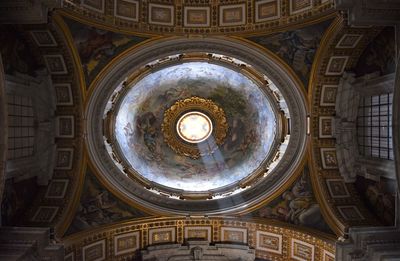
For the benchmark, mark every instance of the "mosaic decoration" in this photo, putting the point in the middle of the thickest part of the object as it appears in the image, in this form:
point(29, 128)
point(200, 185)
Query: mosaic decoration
point(98, 206)
point(139, 118)
point(296, 206)
point(297, 48)
point(96, 47)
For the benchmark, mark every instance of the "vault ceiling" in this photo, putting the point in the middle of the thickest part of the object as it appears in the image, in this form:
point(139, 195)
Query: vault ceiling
point(81, 45)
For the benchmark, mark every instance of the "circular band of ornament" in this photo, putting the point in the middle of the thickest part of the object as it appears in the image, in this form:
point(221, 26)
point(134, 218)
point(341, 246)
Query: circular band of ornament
point(194, 106)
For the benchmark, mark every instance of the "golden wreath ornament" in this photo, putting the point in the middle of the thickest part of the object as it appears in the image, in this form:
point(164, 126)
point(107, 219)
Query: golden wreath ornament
point(200, 106)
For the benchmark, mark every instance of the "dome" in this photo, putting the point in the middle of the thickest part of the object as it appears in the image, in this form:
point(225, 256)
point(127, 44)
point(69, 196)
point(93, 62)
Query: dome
point(250, 132)
point(196, 129)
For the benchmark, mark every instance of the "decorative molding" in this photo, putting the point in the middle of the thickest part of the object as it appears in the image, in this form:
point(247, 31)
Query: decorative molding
point(234, 234)
point(126, 243)
point(232, 15)
point(198, 232)
point(127, 9)
point(270, 240)
point(301, 250)
point(197, 16)
point(161, 14)
point(336, 65)
point(55, 64)
point(267, 10)
point(43, 38)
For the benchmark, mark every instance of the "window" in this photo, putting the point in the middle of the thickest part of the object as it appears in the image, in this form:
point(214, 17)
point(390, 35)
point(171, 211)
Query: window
point(374, 126)
point(20, 127)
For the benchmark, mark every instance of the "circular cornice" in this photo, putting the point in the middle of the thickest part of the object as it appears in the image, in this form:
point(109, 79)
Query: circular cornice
point(198, 17)
point(123, 186)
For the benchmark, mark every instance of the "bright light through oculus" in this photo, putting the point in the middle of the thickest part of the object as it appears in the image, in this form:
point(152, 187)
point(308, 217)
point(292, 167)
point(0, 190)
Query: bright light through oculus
point(194, 127)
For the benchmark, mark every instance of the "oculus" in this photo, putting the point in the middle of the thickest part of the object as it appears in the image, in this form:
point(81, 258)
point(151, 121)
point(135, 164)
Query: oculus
point(194, 127)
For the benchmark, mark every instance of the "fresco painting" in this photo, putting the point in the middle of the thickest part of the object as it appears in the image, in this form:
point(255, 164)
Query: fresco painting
point(297, 48)
point(96, 47)
point(251, 121)
point(98, 206)
point(296, 205)
point(379, 55)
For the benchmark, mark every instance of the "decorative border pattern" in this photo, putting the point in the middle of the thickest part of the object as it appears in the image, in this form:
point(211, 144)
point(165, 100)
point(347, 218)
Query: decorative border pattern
point(198, 232)
point(163, 235)
point(267, 10)
point(43, 38)
point(234, 234)
point(225, 17)
point(161, 14)
point(95, 251)
point(269, 242)
point(196, 16)
point(232, 15)
point(124, 6)
point(279, 239)
point(126, 243)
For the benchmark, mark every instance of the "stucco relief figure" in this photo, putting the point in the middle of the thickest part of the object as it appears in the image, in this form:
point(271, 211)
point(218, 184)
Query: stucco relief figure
point(296, 205)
